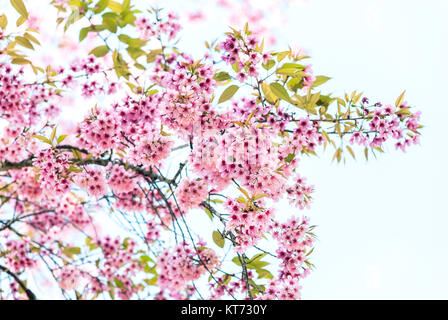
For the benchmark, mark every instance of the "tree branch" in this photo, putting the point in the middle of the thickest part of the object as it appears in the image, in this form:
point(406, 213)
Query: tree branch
point(28, 292)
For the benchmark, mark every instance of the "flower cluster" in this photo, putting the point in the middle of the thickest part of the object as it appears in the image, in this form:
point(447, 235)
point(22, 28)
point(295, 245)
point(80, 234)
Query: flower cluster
point(19, 101)
point(300, 193)
point(149, 29)
point(69, 278)
point(190, 193)
point(150, 146)
point(294, 241)
point(99, 132)
point(119, 179)
point(386, 123)
point(248, 222)
point(183, 264)
point(118, 265)
point(93, 180)
point(54, 174)
point(18, 256)
point(186, 99)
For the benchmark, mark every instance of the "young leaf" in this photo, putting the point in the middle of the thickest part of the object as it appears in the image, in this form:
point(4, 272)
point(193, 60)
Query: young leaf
point(61, 138)
point(115, 6)
point(269, 64)
point(24, 42)
point(218, 239)
point(400, 99)
point(264, 274)
point(290, 157)
point(351, 151)
point(221, 76)
point(42, 138)
point(31, 38)
point(210, 215)
point(320, 80)
point(280, 91)
point(20, 7)
point(3, 21)
point(53, 134)
point(228, 93)
point(244, 192)
point(236, 261)
point(20, 61)
point(100, 51)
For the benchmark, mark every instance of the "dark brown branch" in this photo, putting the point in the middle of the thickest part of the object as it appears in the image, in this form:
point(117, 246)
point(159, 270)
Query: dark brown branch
point(7, 165)
point(28, 292)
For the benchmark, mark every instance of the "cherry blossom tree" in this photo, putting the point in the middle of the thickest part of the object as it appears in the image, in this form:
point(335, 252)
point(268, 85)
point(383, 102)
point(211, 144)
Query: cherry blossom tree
point(168, 186)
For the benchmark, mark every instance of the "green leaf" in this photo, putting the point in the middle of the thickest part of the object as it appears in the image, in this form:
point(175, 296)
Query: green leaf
point(151, 282)
point(325, 100)
point(228, 93)
point(139, 66)
point(114, 6)
point(42, 138)
point(118, 283)
point(281, 55)
point(264, 274)
point(83, 33)
point(218, 239)
point(61, 138)
point(126, 4)
point(320, 80)
point(236, 261)
point(100, 6)
point(290, 157)
point(146, 258)
point(210, 215)
point(73, 168)
point(20, 61)
point(350, 150)
point(135, 53)
point(269, 64)
point(20, 7)
point(110, 21)
point(3, 21)
point(124, 38)
point(20, 21)
point(290, 69)
point(268, 94)
point(136, 43)
point(100, 51)
point(31, 38)
point(24, 42)
point(112, 293)
point(258, 257)
point(257, 264)
point(221, 76)
point(259, 196)
point(400, 99)
point(70, 251)
point(91, 244)
point(76, 3)
point(53, 134)
point(280, 91)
